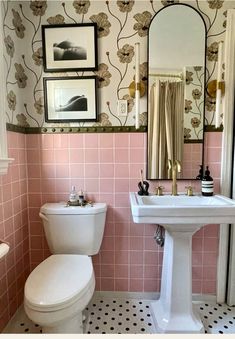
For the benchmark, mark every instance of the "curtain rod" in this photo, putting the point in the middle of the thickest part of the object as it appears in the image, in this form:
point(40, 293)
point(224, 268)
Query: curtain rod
point(167, 75)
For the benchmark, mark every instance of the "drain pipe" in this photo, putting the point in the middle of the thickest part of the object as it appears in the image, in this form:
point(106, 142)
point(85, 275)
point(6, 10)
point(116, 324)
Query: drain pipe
point(159, 236)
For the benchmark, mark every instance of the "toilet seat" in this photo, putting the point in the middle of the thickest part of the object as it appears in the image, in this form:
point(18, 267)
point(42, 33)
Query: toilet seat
point(68, 278)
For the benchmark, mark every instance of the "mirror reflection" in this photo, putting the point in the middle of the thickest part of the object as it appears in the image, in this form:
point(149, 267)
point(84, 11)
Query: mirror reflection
point(176, 73)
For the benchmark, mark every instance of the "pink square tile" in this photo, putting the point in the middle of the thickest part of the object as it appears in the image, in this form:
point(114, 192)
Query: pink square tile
point(12, 139)
point(151, 272)
point(210, 244)
point(136, 257)
point(91, 155)
point(122, 214)
point(106, 171)
point(76, 171)
point(197, 244)
point(46, 141)
point(15, 173)
point(35, 200)
point(62, 171)
point(62, 186)
point(109, 230)
point(121, 257)
point(107, 244)
point(34, 185)
point(107, 271)
point(48, 156)
point(122, 185)
point(48, 186)
point(197, 259)
point(197, 286)
point(91, 185)
point(107, 257)
point(61, 140)
point(151, 285)
point(91, 171)
point(121, 155)
point(151, 258)
point(136, 243)
point(106, 140)
point(121, 284)
point(122, 200)
point(48, 171)
point(106, 185)
point(76, 140)
point(122, 229)
point(122, 170)
point(34, 171)
point(33, 156)
point(121, 140)
point(7, 209)
point(137, 155)
point(121, 243)
point(136, 285)
point(106, 155)
point(91, 139)
point(7, 192)
point(32, 141)
point(76, 155)
point(136, 272)
point(136, 230)
point(137, 139)
point(107, 284)
point(121, 271)
point(209, 287)
point(61, 156)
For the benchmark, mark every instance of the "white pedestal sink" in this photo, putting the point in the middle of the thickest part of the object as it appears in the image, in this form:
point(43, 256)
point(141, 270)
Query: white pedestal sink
point(181, 216)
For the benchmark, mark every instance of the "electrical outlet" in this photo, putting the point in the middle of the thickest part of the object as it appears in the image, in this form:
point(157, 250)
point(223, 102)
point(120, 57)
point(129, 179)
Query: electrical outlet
point(122, 108)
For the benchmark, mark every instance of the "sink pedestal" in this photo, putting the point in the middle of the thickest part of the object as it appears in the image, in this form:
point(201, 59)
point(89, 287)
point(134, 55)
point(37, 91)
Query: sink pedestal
point(173, 312)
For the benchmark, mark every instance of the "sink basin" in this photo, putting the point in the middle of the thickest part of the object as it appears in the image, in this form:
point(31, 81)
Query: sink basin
point(181, 216)
point(169, 209)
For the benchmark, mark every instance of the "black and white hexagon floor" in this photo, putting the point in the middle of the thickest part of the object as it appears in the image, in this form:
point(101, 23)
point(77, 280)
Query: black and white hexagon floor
point(111, 315)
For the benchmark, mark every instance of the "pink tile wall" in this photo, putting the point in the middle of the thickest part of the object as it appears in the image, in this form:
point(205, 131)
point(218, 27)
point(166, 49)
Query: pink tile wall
point(14, 268)
point(107, 167)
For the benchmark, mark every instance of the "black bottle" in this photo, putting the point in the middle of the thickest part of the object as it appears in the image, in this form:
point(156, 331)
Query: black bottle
point(200, 174)
point(207, 183)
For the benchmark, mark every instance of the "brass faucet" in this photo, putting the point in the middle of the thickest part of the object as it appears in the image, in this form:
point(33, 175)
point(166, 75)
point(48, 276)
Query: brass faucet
point(175, 168)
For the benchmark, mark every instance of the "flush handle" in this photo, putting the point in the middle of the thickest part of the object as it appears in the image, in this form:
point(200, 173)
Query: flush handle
point(41, 215)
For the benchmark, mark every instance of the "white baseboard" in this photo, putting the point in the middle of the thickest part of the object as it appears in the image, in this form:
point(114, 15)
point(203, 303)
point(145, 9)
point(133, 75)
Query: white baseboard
point(197, 298)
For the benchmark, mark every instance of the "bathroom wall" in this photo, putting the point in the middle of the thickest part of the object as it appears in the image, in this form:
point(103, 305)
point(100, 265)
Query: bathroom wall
point(14, 268)
point(107, 167)
point(120, 25)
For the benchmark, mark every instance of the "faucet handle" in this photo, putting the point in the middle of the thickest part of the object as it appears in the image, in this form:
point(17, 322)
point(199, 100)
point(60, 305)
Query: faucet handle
point(189, 191)
point(159, 190)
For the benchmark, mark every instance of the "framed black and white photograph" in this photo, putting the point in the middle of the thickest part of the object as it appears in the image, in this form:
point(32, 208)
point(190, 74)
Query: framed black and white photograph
point(70, 99)
point(70, 47)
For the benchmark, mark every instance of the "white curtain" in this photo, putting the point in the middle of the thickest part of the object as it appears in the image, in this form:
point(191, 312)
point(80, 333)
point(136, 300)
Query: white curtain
point(165, 126)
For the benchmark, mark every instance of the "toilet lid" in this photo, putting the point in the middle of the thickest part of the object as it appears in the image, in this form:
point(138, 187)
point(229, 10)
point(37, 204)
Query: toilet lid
point(67, 276)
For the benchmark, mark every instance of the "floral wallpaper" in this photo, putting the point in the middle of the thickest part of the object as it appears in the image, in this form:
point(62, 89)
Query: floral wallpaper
point(194, 103)
point(120, 25)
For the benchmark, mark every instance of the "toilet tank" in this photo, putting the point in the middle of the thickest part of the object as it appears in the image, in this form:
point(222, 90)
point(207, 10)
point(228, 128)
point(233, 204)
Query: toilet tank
point(73, 229)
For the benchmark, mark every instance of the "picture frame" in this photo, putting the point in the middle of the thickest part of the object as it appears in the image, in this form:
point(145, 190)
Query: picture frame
point(70, 47)
point(70, 99)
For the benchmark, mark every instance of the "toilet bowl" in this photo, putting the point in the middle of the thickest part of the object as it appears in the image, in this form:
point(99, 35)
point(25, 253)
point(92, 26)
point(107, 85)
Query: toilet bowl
point(59, 288)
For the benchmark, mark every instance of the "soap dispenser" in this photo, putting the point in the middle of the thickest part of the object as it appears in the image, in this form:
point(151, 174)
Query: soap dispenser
point(207, 183)
point(73, 195)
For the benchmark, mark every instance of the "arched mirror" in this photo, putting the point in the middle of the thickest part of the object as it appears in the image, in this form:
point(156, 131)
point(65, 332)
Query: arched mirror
point(176, 81)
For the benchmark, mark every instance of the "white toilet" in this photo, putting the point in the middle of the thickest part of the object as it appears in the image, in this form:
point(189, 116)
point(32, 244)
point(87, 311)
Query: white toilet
point(58, 289)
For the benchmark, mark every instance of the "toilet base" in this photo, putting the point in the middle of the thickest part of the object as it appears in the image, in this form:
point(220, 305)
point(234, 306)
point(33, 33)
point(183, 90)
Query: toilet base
point(69, 326)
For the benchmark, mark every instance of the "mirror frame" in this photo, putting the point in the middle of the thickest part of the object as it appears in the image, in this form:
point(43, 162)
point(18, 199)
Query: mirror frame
point(204, 94)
